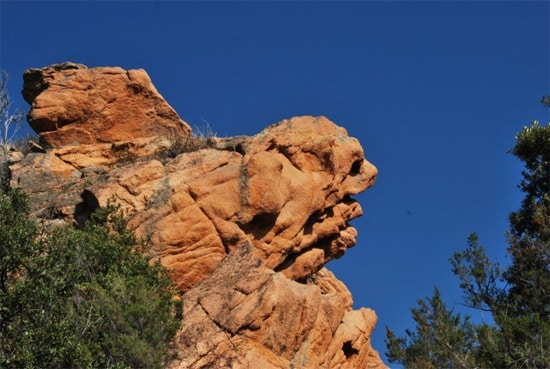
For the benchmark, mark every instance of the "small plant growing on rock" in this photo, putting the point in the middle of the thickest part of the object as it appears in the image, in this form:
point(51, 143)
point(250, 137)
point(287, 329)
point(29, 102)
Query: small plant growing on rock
point(202, 138)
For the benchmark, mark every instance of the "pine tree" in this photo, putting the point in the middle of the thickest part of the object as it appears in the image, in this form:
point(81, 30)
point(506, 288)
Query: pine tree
point(518, 296)
point(442, 338)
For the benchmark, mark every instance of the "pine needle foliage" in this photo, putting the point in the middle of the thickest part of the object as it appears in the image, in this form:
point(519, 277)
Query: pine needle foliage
point(517, 296)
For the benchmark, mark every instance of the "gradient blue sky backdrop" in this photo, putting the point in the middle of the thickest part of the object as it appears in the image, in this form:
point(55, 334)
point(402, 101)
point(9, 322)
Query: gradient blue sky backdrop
point(434, 91)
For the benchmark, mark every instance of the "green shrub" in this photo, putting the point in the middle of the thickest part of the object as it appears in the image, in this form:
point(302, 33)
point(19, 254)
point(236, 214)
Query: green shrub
point(80, 298)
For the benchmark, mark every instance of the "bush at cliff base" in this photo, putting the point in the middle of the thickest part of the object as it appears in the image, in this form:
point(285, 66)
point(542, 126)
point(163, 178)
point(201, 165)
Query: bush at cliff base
point(80, 298)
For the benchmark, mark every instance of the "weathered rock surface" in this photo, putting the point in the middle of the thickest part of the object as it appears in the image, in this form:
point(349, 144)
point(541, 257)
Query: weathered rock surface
point(247, 224)
point(257, 318)
point(71, 104)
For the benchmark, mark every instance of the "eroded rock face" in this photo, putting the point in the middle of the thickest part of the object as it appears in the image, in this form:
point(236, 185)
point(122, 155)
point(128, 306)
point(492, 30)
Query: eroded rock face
point(266, 320)
point(246, 223)
point(71, 105)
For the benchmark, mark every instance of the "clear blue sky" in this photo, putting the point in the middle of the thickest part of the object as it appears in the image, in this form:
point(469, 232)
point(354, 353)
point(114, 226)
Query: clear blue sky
point(434, 91)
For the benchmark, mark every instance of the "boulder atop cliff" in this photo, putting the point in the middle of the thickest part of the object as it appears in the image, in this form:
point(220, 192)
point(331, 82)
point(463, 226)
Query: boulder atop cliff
point(71, 105)
point(247, 224)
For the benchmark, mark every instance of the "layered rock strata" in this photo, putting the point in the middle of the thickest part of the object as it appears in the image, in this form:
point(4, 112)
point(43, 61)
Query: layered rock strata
point(247, 224)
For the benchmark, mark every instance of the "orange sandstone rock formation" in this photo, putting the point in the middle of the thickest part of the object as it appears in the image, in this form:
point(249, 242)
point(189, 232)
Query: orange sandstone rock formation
point(247, 224)
point(71, 104)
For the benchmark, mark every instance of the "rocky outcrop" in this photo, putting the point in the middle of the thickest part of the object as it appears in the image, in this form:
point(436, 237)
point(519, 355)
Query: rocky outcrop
point(257, 318)
point(247, 224)
point(71, 105)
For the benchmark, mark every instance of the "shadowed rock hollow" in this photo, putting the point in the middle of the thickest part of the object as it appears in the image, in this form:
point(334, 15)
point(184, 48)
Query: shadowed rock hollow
point(247, 224)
